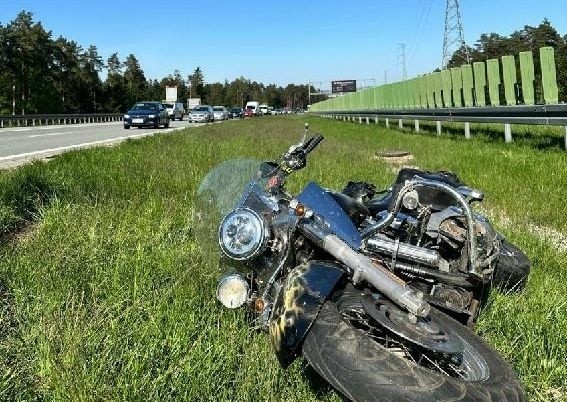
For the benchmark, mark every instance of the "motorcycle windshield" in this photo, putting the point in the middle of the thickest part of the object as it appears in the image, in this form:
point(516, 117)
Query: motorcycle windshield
point(219, 193)
point(223, 187)
point(336, 218)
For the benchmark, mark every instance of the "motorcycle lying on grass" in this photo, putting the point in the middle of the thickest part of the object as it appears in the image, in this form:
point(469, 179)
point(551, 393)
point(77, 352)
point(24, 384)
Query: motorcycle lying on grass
point(362, 200)
point(373, 293)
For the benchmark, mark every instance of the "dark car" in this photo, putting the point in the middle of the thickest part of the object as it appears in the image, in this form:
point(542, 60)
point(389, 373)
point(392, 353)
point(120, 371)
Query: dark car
point(235, 113)
point(146, 114)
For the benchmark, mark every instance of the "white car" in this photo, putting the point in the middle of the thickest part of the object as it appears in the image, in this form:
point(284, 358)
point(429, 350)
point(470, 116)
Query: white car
point(220, 113)
point(201, 114)
point(175, 110)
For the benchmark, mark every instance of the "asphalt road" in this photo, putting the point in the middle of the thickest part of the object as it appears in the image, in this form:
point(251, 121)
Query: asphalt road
point(19, 145)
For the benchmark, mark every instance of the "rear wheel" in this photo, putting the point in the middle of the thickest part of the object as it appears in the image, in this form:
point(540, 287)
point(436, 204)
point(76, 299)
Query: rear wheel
point(367, 360)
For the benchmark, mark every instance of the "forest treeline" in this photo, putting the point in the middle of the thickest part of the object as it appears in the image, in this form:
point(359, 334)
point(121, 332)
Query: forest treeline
point(40, 74)
point(529, 38)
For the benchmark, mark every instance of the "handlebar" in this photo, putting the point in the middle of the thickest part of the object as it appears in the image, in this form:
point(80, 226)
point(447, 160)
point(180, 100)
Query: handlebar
point(296, 158)
point(312, 143)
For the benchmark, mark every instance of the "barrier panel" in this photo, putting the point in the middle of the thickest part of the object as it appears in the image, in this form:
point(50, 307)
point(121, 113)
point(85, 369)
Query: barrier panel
point(460, 94)
point(463, 86)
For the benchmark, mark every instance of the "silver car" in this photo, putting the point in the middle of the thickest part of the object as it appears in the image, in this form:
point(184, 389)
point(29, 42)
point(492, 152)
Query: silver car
point(220, 113)
point(201, 114)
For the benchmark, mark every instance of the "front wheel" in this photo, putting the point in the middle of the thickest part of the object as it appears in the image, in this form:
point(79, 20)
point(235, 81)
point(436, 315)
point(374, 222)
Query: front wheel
point(367, 362)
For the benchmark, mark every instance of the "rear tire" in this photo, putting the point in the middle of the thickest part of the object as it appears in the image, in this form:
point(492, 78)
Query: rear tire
point(512, 268)
point(363, 369)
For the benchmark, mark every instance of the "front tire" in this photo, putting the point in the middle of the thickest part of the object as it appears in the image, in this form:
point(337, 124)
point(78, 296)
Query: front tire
point(366, 369)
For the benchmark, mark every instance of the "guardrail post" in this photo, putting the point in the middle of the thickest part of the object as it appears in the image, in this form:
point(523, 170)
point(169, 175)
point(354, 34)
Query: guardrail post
point(376, 120)
point(416, 125)
point(387, 123)
point(467, 130)
point(507, 133)
point(401, 124)
point(438, 128)
point(565, 137)
point(360, 120)
point(367, 120)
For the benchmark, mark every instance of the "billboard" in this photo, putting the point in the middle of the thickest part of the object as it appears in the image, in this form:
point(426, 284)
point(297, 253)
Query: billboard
point(171, 94)
point(343, 86)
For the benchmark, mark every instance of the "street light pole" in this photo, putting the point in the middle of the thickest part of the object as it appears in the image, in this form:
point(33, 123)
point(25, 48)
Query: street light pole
point(14, 97)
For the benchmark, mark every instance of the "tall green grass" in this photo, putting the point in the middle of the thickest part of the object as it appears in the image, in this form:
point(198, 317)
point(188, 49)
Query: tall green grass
point(105, 294)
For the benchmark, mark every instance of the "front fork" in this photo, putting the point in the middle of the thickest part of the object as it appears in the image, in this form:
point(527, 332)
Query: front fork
point(363, 269)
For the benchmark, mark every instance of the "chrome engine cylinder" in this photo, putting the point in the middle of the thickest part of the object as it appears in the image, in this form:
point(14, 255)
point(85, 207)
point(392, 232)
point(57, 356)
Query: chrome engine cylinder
point(393, 248)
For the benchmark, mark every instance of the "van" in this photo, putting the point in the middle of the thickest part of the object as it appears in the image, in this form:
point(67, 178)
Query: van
point(264, 109)
point(254, 106)
point(175, 110)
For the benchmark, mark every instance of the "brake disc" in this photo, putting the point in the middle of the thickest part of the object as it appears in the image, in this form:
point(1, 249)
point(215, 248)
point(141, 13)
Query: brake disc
point(424, 332)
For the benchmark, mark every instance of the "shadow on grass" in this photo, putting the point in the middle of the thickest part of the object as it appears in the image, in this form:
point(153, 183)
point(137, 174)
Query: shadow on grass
point(7, 313)
point(319, 385)
point(23, 192)
point(542, 138)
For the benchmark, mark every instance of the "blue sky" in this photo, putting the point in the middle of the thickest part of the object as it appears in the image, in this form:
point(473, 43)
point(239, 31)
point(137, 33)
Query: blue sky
point(279, 42)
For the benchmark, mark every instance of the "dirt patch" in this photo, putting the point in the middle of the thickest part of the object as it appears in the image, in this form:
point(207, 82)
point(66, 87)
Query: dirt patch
point(543, 233)
point(550, 235)
point(396, 159)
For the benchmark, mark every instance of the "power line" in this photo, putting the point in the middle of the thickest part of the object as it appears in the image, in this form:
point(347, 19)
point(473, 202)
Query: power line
point(420, 32)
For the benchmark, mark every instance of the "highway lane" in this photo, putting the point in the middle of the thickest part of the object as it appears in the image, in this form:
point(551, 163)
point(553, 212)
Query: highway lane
point(19, 145)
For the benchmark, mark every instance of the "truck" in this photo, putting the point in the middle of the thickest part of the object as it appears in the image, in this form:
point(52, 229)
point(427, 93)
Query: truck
point(254, 106)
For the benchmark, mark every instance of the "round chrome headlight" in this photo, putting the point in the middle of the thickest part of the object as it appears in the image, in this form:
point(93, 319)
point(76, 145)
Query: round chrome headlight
point(232, 291)
point(242, 234)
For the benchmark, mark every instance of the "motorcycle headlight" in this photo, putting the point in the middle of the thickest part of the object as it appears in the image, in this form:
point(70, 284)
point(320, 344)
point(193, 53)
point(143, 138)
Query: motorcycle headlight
point(242, 234)
point(126, 116)
point(152, 116)
point(232, 291)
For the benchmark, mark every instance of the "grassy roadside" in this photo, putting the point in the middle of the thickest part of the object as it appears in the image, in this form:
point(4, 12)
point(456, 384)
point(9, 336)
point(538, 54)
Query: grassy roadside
point(106, 294)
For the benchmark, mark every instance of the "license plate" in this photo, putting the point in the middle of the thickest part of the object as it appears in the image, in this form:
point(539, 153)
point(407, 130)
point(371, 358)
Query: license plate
point(137, 120)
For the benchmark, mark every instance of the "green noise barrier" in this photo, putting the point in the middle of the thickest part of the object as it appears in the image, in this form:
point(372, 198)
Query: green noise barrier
point(494, 83)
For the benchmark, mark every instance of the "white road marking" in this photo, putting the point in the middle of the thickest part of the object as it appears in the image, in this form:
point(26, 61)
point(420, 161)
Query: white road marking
point(16, 130)
point(51, 134)
point(54, 127)
point(85, 144)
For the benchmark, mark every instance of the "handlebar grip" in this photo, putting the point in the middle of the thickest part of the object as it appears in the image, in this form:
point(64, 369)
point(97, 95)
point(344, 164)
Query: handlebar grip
point(312, 143)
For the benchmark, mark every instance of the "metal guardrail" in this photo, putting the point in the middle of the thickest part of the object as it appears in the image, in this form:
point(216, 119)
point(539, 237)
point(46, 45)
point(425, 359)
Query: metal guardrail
point(539, 114)
point(552, 115)
point(51, 119)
